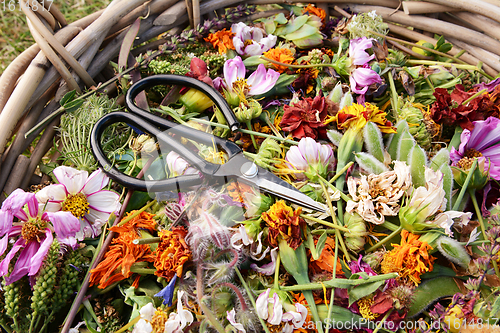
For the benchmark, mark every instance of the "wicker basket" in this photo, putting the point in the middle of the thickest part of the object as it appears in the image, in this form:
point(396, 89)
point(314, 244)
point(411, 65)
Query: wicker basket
point(31, 87)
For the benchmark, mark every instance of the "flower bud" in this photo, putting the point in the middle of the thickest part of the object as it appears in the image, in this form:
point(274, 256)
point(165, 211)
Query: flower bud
point(355, 239)
point(143, 144)
point(247, 112)
point(195, 101)
point(336, 94)
point(374, 259)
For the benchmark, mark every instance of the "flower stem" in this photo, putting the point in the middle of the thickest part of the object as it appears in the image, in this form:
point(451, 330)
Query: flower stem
point(206, 122)
point(142, 241)
point(129, 325)
point(342, 195)
point(328, 224)
point(141, 270)
point(332, 213)
point(339, 283)
point(252, 300)
point(332, 292)
point(481, 224)
point(295, 66)
point(380, 323)
point(385, 240)
point(465, 185)
point(341, 172)
point(479, 93)
point(277, 272)
point(390, 226)
point(249, 126)
point(445, 64)
point(394, 93)
point(136, 213)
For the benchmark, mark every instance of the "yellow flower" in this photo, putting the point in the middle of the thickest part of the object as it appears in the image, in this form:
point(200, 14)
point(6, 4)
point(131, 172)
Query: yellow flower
point(410, 259)
point(356, 116)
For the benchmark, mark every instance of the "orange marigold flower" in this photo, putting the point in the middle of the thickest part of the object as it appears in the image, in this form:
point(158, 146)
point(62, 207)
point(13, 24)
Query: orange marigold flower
point(326, 260)
point(122, 253)
point(221, 39)
point(237, 191)
point(410, 259)
point(172, 253)
point(311, 9)
point(284, 222)
point(283, 55)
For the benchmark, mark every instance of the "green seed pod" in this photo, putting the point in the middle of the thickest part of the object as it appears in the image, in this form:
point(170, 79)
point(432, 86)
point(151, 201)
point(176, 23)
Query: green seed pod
point(68, 280)
point(355, 239)
point(415, 119)
point(374, 259)
point(46, 281)
point(453, 251)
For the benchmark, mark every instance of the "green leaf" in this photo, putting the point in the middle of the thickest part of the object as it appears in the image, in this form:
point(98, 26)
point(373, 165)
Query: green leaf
point(254, 61)
point(447, 183)
point(417, 162)
point(334, 136)
point(305, 31)
point(363, 290)
point(73, 105)
point(396, 138)
point(442, 157)
point(430, 291)
point(373, 141)
point(281, 86)
point(495, 309)
point(370, 163)
point(440, 42)
point(406, 144)
point(292, 26)
point(69, 96)
point(321, 244)
point(308, 41)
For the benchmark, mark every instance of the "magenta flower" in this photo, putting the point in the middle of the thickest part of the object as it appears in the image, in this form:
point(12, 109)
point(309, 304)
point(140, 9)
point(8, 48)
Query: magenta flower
point(259, 82)
point(250, 41)
point(311, 157)
point(83, 196)
point(482, 142)
point(361, 78)
point(357, 51)
point(33, 232)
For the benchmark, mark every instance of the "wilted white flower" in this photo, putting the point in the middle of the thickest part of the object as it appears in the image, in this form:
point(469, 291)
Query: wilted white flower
point(377, 196)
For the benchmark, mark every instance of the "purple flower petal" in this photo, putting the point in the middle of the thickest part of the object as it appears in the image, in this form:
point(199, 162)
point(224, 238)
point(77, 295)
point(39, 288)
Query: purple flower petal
point(36, 260)
point(357, 51)
point(65, 226)
point(269, 268)
point(234, 69)
point(261, 81)
point(485, 133)
point(4, 265)
point(361, 78)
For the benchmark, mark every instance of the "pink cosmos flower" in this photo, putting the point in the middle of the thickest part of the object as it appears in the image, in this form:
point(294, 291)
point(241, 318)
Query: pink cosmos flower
point(33, 232)
point(259, 82)
point(482, 142)
point(250, 41)
point(83, 196)
point(311, 157)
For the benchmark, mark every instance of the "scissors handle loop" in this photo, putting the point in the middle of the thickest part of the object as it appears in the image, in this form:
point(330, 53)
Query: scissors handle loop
point(170, 79)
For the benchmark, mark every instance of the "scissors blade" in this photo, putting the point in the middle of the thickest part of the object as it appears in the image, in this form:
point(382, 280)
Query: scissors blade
point(253, 175)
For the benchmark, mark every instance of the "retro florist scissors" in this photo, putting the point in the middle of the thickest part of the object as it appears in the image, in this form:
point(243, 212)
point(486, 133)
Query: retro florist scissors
point(169, 133)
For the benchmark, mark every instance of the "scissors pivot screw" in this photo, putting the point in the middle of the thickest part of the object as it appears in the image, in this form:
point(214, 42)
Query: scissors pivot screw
point(249, 170)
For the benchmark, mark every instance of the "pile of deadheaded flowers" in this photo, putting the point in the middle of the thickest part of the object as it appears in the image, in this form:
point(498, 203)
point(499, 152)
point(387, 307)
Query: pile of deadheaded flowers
point(404, 156)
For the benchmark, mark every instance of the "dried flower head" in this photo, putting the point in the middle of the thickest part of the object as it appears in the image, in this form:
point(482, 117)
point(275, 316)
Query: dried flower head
point(410, 259)
point(172, 253)
point(284, 222)
point(377, 196)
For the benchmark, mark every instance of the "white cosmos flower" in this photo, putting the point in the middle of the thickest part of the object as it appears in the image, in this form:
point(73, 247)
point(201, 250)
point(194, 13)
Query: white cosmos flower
point(83, 196)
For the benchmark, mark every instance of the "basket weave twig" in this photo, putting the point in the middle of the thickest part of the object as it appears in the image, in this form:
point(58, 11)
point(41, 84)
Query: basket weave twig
point(31, 87)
